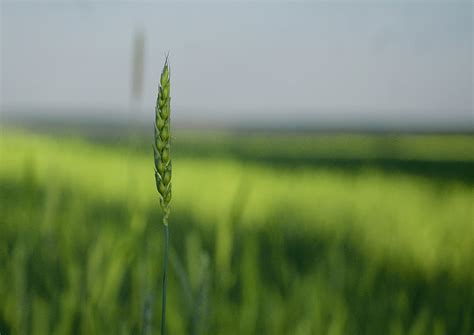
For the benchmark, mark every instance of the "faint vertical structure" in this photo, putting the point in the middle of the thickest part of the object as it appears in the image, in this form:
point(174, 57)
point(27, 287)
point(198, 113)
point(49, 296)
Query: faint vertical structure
point(136, 93)
point(138, 65)
point(136, 88)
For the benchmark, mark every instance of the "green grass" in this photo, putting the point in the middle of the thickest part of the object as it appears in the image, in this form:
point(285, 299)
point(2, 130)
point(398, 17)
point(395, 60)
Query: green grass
point(374, 236)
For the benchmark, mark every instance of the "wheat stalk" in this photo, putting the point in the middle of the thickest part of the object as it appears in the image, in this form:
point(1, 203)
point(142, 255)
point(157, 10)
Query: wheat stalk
point(161, 149)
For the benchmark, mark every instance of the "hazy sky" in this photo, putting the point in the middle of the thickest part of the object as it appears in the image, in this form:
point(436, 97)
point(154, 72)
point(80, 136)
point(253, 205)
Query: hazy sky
point(396, 59)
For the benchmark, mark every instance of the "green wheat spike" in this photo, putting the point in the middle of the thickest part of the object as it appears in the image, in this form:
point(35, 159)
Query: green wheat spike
point(162, 142)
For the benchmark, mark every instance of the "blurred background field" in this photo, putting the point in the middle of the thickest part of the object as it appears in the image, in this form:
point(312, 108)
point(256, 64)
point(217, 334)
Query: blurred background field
point(272, 233)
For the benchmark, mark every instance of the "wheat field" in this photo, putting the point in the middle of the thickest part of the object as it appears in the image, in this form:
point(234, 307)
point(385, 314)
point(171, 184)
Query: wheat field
point(272, 234)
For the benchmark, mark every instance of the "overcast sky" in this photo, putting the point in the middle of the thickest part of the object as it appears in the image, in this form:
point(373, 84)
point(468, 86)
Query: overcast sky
point(395, 59)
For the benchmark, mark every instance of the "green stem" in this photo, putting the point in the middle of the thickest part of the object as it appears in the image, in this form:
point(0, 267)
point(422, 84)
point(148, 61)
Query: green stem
point(165, 267)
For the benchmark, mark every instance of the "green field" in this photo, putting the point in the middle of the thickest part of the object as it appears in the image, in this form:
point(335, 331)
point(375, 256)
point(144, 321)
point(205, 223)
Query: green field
point(271, 234)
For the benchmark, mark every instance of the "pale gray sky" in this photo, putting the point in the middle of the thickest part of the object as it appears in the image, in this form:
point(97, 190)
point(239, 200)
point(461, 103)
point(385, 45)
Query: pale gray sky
point(380, 59)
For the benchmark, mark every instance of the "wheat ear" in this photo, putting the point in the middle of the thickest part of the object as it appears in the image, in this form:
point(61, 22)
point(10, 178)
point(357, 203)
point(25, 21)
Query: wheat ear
point(161, 149)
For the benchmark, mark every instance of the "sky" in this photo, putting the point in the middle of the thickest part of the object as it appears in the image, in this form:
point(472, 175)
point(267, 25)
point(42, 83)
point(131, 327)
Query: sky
point(391, 60)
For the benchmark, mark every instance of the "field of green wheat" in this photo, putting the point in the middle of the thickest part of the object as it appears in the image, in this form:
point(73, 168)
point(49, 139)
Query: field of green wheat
point(270, 234)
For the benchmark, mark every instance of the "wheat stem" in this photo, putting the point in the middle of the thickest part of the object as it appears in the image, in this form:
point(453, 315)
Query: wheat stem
point(165, 267)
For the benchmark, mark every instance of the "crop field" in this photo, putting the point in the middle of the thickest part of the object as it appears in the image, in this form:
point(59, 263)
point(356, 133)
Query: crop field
point(271, 233)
